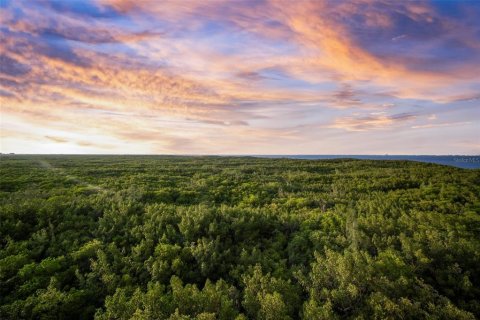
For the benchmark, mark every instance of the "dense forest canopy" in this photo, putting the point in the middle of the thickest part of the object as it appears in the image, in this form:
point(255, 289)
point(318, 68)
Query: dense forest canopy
point(157, 237)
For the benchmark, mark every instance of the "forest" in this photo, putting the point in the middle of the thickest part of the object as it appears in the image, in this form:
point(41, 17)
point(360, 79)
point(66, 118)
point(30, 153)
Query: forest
point(177, 237)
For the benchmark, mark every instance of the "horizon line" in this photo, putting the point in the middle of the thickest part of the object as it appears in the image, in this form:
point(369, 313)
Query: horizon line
point(234, 155)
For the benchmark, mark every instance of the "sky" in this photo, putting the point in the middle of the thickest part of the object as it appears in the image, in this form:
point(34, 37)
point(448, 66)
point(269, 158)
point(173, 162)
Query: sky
point(240, 77)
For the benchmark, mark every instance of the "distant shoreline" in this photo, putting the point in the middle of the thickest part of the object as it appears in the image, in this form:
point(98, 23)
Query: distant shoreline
point(459, 161)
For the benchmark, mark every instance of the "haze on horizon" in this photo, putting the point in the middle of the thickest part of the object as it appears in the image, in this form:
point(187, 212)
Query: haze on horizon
point(240, 77)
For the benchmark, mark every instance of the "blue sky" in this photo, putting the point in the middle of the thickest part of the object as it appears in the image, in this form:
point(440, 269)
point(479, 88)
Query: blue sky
point(240, 77)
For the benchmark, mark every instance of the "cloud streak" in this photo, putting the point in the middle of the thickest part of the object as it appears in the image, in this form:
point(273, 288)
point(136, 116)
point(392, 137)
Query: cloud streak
point(372, 122)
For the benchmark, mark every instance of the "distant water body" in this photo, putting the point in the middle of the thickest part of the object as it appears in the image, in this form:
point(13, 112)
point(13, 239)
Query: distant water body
point(466, 162)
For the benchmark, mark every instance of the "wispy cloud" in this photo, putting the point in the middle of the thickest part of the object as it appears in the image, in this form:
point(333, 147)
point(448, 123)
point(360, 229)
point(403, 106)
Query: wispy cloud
point(371, 122)
point(443, 124)
point(56, 139)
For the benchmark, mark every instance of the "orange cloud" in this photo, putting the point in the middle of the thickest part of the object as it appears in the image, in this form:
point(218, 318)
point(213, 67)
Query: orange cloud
point(371, 122)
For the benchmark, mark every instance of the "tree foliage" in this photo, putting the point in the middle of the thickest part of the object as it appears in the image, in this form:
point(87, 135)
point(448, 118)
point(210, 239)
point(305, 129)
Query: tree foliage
point(150, 237)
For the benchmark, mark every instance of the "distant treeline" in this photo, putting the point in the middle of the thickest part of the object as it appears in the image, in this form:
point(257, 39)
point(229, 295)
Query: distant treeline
point(150, 237)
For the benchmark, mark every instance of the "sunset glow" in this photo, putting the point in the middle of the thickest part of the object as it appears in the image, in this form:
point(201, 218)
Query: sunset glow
point(240, 77)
